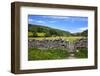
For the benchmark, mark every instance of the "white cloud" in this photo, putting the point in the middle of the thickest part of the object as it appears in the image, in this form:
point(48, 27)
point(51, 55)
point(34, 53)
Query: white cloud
point(40, 21)
point(70, 17)
point(36, 21)
point(83, 28)
point(30, 20)
point(60, 17)
point(82, 19)
point(56, 17)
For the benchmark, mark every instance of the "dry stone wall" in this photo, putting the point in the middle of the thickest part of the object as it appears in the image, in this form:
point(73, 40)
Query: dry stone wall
point(57, 43)
point(81, 43)
point(47, 43)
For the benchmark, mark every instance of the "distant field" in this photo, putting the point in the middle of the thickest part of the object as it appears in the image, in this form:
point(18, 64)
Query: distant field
point(71, 38)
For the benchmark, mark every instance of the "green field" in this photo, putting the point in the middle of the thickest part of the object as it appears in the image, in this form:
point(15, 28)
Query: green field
point(83, 53)
point(39, 54)
point(70, 39)
point(46, 54)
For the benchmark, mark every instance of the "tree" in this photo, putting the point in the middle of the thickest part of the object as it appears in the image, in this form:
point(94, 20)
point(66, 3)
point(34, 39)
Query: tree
point(35, 34)
point(30, 34)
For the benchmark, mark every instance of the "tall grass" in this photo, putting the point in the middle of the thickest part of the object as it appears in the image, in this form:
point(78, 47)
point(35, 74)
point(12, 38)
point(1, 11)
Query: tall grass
point(83, 53)
point(46, 54)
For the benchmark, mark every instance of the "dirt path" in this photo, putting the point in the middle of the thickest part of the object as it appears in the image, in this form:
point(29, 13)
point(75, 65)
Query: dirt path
point(71, 50)
point(71, 47)
point(71, 56)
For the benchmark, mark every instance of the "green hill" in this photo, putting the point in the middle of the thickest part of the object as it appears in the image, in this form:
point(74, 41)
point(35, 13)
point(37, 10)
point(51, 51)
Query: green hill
point(44, 31)
point(83, 33)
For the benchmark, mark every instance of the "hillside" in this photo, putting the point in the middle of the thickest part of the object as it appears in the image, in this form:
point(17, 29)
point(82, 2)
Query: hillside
point(46, 31)
point(83, 33)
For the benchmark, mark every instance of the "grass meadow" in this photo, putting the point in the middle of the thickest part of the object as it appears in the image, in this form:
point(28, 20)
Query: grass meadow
point(58, 53)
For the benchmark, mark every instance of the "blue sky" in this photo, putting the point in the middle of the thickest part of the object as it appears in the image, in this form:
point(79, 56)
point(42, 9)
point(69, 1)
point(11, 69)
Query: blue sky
point(72, 24)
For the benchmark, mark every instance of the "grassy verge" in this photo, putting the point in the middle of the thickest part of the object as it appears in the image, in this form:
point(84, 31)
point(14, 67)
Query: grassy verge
point(82, 53)
point(47, 54)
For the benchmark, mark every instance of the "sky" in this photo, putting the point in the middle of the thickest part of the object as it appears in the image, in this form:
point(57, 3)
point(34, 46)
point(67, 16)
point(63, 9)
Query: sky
point(72, 24)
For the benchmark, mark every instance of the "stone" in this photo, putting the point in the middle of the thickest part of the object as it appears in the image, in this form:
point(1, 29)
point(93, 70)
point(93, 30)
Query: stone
point(58, 43)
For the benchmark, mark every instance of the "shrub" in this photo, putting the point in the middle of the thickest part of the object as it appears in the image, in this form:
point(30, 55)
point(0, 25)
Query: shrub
point(41, 34)
point(30, 34)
